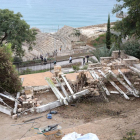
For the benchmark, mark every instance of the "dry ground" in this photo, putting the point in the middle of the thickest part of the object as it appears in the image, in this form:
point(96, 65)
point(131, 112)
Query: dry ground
point(110, 121)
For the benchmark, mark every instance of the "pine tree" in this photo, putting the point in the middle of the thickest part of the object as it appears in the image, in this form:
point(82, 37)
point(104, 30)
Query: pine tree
point(108, 34)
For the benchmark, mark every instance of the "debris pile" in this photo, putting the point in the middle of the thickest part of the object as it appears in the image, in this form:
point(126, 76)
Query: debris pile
point(111, 76)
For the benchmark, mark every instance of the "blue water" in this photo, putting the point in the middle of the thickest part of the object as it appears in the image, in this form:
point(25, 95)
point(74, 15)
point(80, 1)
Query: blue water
point(49, 15)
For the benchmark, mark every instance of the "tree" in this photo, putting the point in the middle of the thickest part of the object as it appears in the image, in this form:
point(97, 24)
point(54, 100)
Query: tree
point(16, 31)
point(130, 25)
point(9, 80)
point(108, 34)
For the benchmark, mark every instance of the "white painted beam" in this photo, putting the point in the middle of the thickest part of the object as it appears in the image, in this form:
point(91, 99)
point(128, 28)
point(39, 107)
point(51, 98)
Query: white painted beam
point(16, 103)
point(8, 97)
point(135, 92)
point(57, 103)
point(56, 91)
point(5, 110)
point(70, 89)
point(62, 88)
point(113, 84)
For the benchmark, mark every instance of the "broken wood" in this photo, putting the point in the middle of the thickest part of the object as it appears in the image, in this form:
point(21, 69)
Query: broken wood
point(16, 103)
point(56, 91)
point(6, 110)
point(70, 89)
point(101, 84)
point(8, 97)
point(62, 88)
point(113, 84)
point(135, 92)
point(124, 84)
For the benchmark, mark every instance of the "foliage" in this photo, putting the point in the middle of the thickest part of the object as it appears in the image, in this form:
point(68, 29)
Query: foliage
point(29, 71)
point(76, 68)
point(132, 48)
point(101, 40)
point(77, 32)
point(16, 31)
point(130, 25)
point(9, 80)
point(130, 135)
point(98, 41)
point(103, 52)
point(84, 67)
point(108, 34)
point(17, 59)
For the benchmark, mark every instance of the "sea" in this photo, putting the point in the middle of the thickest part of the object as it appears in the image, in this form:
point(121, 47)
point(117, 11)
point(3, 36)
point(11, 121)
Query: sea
point(51, 15)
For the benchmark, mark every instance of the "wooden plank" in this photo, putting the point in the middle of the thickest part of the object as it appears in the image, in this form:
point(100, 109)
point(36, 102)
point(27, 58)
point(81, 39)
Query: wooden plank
point(8, 97)
point(70, 89)
point(57, 103)
point(135, 92)
point(62, 88)
point(113, 84)
point(94, 75)
point(5, 110)
point(56, 91)
point(124, 84)
point(16, 103)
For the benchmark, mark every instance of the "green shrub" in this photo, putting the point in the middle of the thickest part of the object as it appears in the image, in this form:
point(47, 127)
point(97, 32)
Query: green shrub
point(94, 44)
point(103, 52)
point(76, 68)
point(130, 135)
point(17, 59)
point(9, 79)
point(132, 48)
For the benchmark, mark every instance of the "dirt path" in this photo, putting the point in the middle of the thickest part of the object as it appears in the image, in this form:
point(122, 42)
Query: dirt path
point(110, 121)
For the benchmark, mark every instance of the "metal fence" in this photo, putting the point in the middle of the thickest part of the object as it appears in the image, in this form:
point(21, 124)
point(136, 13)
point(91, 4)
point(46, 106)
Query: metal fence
point(33, 67)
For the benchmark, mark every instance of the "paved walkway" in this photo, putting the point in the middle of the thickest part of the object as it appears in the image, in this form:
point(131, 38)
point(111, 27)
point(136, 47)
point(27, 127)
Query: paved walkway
point(47, 66)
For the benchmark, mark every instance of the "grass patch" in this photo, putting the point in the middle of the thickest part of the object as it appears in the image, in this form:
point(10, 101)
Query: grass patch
point(29, 71)
point(101, 40)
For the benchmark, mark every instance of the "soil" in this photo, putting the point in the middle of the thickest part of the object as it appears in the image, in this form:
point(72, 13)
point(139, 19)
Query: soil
point(37, 79)
point(109, 121)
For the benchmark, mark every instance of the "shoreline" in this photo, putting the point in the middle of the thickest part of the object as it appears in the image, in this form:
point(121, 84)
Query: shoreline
point(83, 27)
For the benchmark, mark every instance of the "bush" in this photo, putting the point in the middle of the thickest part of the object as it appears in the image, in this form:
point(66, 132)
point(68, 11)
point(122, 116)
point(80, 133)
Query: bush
point(132, 48)
point(17, 59)
point(103, 52)
point(76, 68)
point(9, 80)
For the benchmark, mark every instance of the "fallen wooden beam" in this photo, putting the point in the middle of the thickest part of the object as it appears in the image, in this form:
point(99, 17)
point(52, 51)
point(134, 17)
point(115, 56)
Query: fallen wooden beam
point(57, 103)
point(113, 84)
point(124, 84)
point(16, 103)
point(114, 92)
point(70, 89)
point(62, 88)
point(6, 110)
point(96, 77)
point(8, 97)
point(56, 91)
point(136, 92)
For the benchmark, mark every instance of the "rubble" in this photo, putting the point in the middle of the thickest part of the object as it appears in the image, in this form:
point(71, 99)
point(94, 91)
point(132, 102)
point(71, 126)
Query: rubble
point(111, 76)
